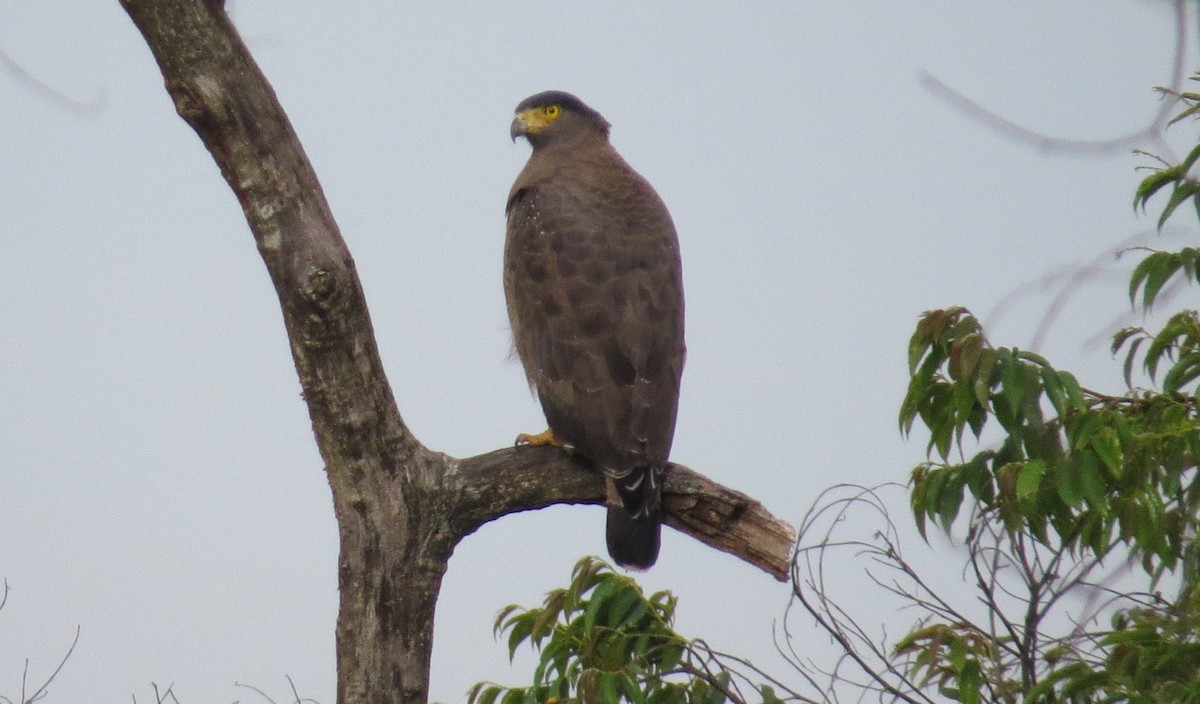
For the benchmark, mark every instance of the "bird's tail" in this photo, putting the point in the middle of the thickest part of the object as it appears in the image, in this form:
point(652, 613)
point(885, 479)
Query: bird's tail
point(634, 527)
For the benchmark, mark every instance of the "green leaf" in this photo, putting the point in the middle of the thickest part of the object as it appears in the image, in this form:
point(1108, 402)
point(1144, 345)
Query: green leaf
point(716, 695)
point(1184, 188)
point(970, 680)
point(1186, 113)
point(1012, 387)
point(521, 628)
point(976, 477)
point(1074, 392)
point(981, 384)
point(1091, 483)
point(964, 406)
point(483, 693)
point(1127, 367)
point(918, 496)
point(1055, 392)
point(1029, 478)
point(950, 498)
point(1151, 275)
point(1152, 184)
point(543, 625)
point(501, 619)
point(964, 356)
point(929, 329)
point(938, 415)
point(1188, 257)
point(584, 577)
point(1183, 372)
point(620, 606)
point(671, 653)
point(598, 600)
point(1122, 336)
point(607, 688)
point(1067, 484)
point(1108, 448)
point(1083, 429)
point(632, 690)
point(767, 692)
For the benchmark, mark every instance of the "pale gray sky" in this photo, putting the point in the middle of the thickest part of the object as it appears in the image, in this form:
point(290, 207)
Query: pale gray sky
point(159, 484)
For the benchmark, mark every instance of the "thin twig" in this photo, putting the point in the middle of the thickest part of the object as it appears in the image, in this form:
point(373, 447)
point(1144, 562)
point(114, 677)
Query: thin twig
point(50, 95)
point(256, 690)
point(1045, 143)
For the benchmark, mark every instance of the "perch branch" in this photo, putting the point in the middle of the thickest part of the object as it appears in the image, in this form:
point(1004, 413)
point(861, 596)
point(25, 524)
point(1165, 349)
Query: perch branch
point(492, 485)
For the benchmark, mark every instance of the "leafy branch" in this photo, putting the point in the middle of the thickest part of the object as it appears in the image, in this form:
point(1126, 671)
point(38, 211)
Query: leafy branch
point(602, 640)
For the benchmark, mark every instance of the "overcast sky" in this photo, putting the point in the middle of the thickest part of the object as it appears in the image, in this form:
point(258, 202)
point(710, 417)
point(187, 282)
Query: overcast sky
point(159, 484)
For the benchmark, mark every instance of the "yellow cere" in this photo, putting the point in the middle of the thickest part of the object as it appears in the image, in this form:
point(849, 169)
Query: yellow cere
point(536, 119)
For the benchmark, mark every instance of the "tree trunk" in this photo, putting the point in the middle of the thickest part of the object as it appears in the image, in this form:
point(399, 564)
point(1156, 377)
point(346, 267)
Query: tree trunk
point(400, 507)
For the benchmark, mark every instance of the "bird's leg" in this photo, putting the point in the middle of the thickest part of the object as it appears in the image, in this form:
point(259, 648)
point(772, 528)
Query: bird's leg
point(545, 437)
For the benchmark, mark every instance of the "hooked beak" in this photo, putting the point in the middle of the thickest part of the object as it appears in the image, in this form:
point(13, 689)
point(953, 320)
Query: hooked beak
point(528, 124)
point(518, 128)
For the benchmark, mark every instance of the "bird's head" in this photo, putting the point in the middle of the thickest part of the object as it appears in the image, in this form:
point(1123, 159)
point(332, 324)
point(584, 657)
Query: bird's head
point(556, 117)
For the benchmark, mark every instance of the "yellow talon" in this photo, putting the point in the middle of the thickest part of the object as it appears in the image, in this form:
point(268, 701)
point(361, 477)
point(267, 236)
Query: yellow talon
point(545, 437)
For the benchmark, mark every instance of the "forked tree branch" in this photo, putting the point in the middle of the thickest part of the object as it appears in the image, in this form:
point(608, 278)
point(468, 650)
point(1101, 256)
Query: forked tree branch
point(400, 507)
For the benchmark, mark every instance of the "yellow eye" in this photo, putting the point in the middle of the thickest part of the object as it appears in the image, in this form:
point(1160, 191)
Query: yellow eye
point(551, 111)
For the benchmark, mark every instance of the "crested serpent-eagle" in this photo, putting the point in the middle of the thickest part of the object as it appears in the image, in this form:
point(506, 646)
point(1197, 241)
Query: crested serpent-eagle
point(594, 287)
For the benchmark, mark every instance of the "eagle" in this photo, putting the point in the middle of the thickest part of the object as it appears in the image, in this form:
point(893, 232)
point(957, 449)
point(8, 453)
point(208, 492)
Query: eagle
point(594, 288)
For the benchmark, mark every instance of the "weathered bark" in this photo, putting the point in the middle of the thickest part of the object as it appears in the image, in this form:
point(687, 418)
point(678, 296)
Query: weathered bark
point(400, 507)
point(488, 486)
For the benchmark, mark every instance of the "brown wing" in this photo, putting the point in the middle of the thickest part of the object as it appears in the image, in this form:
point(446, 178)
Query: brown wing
point(594, 287)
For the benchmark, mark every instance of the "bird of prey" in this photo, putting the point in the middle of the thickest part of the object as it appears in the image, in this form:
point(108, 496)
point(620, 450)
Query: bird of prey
point(594, 287)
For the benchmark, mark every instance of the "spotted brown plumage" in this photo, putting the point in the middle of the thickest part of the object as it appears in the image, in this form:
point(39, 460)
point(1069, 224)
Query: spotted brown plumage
point(594, 287)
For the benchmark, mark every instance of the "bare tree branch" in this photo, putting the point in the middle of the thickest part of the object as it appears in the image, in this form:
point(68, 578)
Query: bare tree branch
point(505, 481)
point(1150, 133)
point(41, 690)
point(48, 94)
